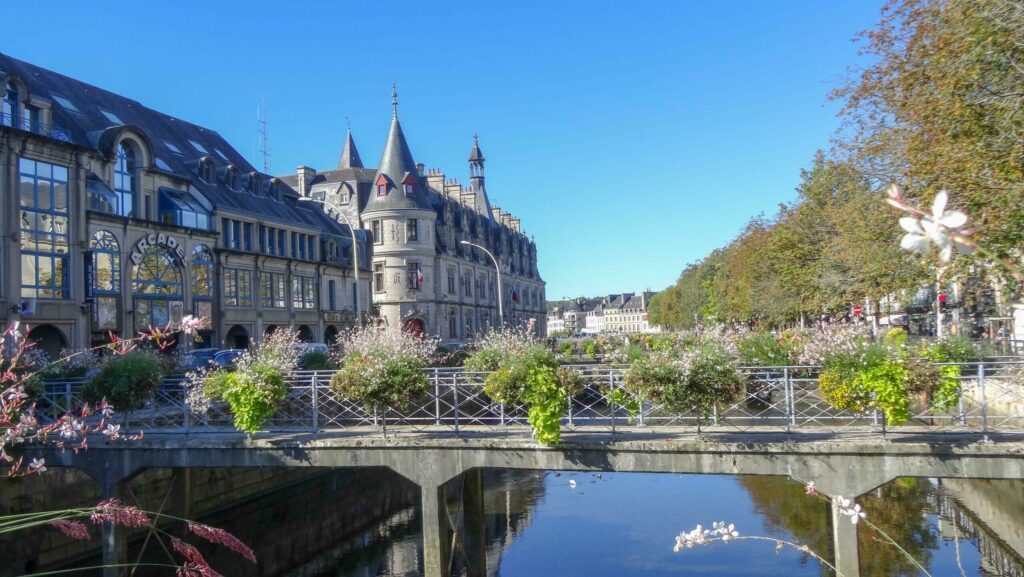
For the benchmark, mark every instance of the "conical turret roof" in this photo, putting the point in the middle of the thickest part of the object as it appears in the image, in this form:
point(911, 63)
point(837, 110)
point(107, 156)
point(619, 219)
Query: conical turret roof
point(398, 168)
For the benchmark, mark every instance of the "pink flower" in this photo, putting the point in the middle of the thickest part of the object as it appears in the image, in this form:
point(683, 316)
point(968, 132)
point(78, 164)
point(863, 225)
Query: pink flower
point(195, 564)
point(215, 535)
point(114, 512)
point(810, 489)
point(73, 529)
point(190, 324)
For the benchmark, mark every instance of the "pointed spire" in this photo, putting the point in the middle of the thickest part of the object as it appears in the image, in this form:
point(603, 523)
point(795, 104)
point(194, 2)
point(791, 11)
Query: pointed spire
point(349, 155)
point(476, 155)
point(394, 101)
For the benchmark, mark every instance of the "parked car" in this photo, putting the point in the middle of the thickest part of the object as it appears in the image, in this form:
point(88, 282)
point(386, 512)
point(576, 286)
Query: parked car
point(226, 358)
point(198, 358)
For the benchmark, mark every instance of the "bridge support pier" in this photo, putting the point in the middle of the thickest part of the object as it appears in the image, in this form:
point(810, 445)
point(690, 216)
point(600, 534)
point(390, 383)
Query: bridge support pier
point(113, 539)
point(845, 549)
point(437, 534)
point(474, 531)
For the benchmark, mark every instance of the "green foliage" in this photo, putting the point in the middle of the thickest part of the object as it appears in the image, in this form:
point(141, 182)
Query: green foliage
point(764, 349)
point(253, 394)
point(546, 400)
point(682, 381)
point(126, 381)
point(590, 348)
point(532, 375)
point(895, 338)
point(872, 377)
point(379, 383)
point(952, 349)
point(566, 348)
point(621, 398)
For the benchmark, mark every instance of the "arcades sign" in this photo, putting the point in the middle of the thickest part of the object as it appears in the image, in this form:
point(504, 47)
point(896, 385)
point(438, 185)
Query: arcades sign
point(157, 239)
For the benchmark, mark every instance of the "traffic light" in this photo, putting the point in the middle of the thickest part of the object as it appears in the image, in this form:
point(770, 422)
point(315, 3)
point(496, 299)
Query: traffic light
point(943, 302)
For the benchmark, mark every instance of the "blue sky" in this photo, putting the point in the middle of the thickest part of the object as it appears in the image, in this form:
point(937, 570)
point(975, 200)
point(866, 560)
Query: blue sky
point(631, 137)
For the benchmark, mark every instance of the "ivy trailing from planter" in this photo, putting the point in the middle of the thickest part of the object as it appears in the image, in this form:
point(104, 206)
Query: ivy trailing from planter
point(522, 371)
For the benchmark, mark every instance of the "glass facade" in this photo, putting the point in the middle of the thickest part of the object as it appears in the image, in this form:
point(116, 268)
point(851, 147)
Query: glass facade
point(180, 208)
point(303, 292)
point(273, 290)
point(43, 222)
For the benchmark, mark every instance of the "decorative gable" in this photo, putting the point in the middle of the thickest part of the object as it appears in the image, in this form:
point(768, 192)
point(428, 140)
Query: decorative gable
point(382, 185)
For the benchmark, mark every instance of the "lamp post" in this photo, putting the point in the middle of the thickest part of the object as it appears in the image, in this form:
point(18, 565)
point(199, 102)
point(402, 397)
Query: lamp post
point(501, 312)
point(355, 252)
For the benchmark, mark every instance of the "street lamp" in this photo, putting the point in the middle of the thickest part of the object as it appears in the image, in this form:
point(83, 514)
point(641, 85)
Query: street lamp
point(501, 312)
point(355, 252)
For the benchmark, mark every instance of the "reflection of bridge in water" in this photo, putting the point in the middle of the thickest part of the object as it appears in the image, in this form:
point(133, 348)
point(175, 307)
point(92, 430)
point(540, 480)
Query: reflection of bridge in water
point(840, 465)
point(999, 554)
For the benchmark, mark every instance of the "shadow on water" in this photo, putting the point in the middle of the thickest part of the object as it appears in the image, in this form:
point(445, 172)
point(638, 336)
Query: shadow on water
point(367, 522)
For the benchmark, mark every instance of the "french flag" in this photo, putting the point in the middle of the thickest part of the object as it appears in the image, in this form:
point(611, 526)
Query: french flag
point(419, 275)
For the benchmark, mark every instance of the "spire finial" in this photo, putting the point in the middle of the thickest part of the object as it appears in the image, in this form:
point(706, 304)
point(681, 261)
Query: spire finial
point(476, 139)
point(348, 124)
point(394, 101)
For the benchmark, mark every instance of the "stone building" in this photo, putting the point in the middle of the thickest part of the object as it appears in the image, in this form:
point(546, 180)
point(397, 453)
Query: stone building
point(424, 279)
point(116, 217)
point(615, 313)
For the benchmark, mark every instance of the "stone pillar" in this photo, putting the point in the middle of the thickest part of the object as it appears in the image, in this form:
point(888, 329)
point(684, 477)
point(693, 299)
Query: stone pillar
point(474, 530)
point(846, 556)
point(436, 531)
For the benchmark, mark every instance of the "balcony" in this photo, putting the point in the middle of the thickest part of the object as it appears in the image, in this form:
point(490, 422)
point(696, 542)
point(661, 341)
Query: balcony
point(29, 125)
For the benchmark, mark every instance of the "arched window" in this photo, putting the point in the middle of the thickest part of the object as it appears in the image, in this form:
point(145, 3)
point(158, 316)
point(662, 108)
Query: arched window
point(255, 184)
point(206, 170)
point(202, 273)
point(202, 282)
point(10, 110)
point(124, 179)
point(106, 258)
point(157, 287)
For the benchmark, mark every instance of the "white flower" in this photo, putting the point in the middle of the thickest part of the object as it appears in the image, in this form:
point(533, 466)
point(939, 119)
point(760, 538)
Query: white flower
point(113, 432)
point(810, 489)
point(37, 465)
point(935, 228)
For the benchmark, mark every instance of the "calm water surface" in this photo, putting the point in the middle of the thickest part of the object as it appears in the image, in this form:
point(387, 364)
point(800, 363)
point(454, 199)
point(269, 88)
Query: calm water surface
point(364, 523)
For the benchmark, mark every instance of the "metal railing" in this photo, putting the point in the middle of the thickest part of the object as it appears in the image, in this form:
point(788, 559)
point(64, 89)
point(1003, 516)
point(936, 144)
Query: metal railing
point(990, 398)
point(35, 127)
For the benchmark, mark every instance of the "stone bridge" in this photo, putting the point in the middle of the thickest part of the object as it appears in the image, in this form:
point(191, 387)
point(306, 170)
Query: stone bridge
point(849, 464)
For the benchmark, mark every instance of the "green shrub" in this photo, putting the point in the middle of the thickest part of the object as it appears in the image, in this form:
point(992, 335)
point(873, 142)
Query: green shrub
point(380, 383)
point(895, 338)
point(763, 349)
point(590, 348)
point(256, 387)
point(872, 376)
point(253, 394)
point(682, 381)
point(126, 381)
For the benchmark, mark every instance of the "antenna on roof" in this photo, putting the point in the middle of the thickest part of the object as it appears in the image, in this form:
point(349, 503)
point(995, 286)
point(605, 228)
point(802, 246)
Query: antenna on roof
point(264, 142)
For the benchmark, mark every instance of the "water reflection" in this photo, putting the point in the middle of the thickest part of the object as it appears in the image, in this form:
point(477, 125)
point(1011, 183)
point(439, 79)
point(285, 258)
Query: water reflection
point(367, 523)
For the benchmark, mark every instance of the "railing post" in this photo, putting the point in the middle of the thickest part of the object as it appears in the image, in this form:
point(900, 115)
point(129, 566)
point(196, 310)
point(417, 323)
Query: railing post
point(984, 403)
point(640, 415)
point(315, 383)
point(437, 398)
point(787, 391)
point(67, 397)
point(961, 414)
point(611, 387)
point(185, 412)
point(570, 412)
point(455, 393)
point(714, 414)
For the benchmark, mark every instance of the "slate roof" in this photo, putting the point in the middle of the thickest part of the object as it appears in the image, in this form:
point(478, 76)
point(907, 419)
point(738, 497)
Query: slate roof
point(89, 120)
point(349, 155)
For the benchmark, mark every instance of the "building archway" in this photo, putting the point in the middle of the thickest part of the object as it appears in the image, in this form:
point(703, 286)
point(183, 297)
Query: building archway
point(270, 329)
point(48, 339)
point(237, 338)
point(414, 327)
point(305, 334)
point(330, 335)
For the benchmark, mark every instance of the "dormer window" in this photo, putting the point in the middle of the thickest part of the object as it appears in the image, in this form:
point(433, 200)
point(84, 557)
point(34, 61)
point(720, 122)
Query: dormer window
point(10, 105)
point(231, 178)
point(255, 184)
point(382, 186)
point(409, 184)
point(206, 170)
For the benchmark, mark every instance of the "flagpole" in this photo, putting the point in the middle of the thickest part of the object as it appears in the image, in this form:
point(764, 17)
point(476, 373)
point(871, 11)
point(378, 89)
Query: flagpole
point(501, 312)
